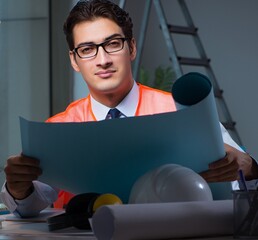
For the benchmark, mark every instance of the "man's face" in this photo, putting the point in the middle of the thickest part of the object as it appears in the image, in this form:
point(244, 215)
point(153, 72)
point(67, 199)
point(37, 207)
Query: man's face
point(106, 74)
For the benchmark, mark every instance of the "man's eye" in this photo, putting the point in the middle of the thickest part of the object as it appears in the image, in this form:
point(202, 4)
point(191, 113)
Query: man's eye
point(87, 49)
point(113, 44)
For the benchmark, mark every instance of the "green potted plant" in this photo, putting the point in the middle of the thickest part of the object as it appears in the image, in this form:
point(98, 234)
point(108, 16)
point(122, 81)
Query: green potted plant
point(164, 78)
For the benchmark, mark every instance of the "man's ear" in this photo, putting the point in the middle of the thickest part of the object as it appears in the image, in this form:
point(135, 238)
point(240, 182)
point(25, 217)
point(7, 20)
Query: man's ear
point(133, 49)
point(73, 61)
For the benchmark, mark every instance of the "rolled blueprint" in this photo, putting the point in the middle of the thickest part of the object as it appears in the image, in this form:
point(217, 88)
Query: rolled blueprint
point(164, 220)
point(130, 146)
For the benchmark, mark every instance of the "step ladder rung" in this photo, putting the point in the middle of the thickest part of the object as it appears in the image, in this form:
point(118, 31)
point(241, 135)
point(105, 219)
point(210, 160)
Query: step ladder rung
point(229, 125)
point(218, 93)
point(182, 29)
point(194, 61)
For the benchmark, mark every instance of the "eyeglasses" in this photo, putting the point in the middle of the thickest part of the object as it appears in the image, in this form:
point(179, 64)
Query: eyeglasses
point(91, 50)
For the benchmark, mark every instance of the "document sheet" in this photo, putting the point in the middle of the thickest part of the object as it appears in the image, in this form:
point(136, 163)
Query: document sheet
point(110, 155)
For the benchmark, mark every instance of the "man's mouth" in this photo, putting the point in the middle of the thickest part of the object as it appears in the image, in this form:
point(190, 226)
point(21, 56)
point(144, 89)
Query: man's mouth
point(105, 73)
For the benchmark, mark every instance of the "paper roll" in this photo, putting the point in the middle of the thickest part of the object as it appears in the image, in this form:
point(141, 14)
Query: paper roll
point(164, 220)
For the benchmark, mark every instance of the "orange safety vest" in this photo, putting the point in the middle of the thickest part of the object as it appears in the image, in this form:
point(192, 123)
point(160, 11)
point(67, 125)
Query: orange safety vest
point(151, 101)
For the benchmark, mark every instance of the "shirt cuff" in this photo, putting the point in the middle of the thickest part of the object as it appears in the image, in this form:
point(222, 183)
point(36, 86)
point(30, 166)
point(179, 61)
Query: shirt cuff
point(8, 199)
point(42, 196)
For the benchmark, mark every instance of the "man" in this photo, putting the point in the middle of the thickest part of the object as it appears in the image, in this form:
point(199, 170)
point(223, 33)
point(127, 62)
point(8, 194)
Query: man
point(102, 47)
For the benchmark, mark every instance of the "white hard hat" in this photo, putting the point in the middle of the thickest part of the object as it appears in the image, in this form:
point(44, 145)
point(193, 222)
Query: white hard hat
point(170, 183)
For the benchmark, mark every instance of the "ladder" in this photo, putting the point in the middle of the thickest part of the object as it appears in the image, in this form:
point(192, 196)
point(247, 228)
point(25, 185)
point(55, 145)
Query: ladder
point(177, 62)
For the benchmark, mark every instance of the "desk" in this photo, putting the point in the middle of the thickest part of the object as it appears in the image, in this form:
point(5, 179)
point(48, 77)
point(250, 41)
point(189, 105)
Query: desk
point(39, 231)
point(15, 229)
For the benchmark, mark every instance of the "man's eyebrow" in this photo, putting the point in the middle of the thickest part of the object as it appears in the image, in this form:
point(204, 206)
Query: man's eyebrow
point(113, 36)
point(106, 39)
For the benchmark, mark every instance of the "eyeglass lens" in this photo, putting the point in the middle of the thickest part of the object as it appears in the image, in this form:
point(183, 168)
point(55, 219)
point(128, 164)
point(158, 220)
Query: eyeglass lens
point(110, 46)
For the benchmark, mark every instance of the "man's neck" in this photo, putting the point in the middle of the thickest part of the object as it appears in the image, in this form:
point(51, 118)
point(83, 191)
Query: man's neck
point(112, 99)
point(127, 106)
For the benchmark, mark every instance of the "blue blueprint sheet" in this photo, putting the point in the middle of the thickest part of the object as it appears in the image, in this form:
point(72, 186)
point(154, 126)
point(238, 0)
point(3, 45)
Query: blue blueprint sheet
point(109, 156)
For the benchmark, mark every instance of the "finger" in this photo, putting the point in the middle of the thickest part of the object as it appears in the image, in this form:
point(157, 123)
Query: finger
point(220, 163)
point(225, 178)
point(231, 168)
point(205, 174)
point(220, 176)
point(19, 178)
point(212, 178)
point(21, 169)
point(23, 160)
point(224, 173)
point(20, 190)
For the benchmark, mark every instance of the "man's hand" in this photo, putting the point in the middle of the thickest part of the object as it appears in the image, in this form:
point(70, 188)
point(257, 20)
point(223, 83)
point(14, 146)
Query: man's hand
point(20, 171)
point(226, 169)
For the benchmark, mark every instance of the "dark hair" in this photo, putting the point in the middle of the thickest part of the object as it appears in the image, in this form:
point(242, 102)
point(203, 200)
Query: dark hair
point(88, 10)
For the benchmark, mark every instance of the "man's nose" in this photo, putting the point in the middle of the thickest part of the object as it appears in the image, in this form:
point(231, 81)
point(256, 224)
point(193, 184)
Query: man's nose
point(103, 58)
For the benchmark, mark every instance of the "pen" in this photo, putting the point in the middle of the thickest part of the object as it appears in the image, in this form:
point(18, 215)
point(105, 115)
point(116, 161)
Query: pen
point(242, 179)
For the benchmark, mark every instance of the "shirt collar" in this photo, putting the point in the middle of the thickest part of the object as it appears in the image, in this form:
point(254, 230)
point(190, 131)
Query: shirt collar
point(127, 107)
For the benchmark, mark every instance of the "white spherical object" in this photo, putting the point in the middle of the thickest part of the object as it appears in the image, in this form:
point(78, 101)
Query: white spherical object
point(170, 183)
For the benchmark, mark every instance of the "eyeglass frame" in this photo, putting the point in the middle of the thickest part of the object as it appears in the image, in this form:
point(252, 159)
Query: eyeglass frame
point(75, 50)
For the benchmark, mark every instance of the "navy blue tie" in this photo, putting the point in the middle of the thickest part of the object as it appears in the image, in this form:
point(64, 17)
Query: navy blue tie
point(114, 113)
